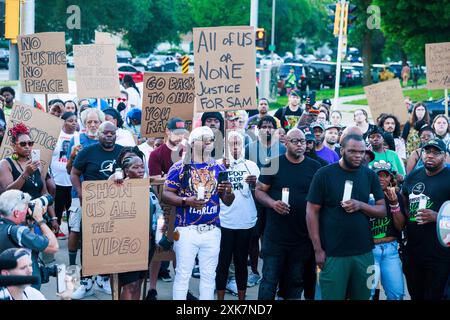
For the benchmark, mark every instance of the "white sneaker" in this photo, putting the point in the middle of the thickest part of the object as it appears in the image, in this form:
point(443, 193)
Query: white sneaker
point(231, 287)
point(86, 289)
point(253, 279)
point(102, 284)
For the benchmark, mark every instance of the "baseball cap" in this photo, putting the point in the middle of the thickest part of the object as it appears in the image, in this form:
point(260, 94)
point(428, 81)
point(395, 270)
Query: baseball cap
point(134, 114)
point(382, 165)
point(295, 93)
point(436, 143)
point(318, 125)
point(200, 132)
point(326, 101)
point(310, 137)
point(374, 130)
point(330, 126)
point(176, 125)
point(232, 115)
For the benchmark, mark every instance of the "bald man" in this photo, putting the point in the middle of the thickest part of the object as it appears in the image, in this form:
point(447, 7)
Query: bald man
point(287, 247)
point(350, 130)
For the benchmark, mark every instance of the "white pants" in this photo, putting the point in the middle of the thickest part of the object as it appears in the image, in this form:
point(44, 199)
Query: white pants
point(207, 246)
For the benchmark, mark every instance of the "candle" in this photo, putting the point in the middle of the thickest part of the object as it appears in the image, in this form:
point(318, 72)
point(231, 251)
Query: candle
point(118, 174)
point(422, 202)
point(245, 186)
point(347, 190)
point(285, 195)
point(159, 226)
point(200, 192)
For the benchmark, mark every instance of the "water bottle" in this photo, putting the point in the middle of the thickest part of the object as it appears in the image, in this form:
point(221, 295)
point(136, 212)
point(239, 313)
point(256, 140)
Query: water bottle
point(371, 200)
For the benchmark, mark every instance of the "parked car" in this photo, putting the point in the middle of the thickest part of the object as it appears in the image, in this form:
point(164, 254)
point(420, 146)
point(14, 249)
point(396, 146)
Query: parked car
point(69, 59)
point(436, 107)
point(326, 71)
point(268, 61)
point(4, 58)
point(396, 68)
point(162, 63)
point(350, 76)
point(123, 56)
point(128, 69)
point(141, 60)
point(302, 72)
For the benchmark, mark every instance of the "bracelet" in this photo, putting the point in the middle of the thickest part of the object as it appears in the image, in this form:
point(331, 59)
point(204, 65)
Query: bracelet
point(395, 210)
point(54, 218)
point(394, 206)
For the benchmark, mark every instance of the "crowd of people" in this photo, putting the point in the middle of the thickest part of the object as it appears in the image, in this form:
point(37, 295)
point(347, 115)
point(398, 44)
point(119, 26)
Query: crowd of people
point(332, 211)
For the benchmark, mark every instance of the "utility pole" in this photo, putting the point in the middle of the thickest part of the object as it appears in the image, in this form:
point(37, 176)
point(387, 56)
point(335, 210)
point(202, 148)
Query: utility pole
point(272, 33)
point(254, 13)
point(338, 60)
point(26, 27)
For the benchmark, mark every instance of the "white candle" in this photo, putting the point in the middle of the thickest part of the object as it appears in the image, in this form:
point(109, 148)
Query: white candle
point(422, 202)
point(159, 225)
point(119, 174)
point(245, 186)
point(285, 195)
point(200, 192)
point(347, 190)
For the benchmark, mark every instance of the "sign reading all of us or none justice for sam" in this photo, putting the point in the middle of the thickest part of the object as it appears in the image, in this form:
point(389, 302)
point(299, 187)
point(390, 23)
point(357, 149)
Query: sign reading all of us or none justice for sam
point(116, 224)
point(44, 131)
point(96, 71)
point(166, 95)
point(438, 65)
point(42, 58)
point(225, 68)
point(387, 97)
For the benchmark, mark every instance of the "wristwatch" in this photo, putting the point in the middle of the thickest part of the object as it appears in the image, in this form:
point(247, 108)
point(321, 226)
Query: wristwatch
point(183, 202)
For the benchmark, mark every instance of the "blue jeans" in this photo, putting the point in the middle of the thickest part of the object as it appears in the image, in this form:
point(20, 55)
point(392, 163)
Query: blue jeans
point(387, 262)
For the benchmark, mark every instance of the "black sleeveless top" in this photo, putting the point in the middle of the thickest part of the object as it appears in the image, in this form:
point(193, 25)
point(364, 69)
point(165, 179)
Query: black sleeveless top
point(33, 185)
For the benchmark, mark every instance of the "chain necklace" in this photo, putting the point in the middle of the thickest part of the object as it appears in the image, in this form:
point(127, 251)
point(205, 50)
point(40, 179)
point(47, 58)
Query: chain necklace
point(31, 178)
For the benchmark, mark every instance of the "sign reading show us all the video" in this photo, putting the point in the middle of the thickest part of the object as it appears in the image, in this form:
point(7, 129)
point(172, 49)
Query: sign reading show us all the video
point(42, 58)
point(225, 68)
point(166, 95)
point(116, 226)
point(437, 56)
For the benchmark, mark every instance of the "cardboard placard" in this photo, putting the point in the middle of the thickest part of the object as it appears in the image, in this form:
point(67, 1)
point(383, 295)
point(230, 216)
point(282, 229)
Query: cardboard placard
point(103, 38)
point(96, 71)
point(225, 68)
point(387, 97)
point(169, 215)
point(42, 62)
point(438, 65)
point(166, 95)
point(44, 131)
point(116, 224)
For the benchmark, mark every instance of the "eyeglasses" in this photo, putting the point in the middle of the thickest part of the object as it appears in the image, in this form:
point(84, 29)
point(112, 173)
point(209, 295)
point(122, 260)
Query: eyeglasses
point(297, 141)
point(23, 144)
point(121, 99)
point(205, 140)
point(433, 152)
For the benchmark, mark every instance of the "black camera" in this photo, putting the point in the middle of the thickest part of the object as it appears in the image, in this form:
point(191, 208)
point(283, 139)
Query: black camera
point(46, 200)
point(47, 272)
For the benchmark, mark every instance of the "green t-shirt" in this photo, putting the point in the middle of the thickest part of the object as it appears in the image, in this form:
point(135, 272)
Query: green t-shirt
point(393, 158)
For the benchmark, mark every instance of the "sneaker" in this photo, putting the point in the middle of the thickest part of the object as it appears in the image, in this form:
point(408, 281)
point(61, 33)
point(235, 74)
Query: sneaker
point(191, 297)
point(85, 289)
point(165, 276)
point(152, 294)
point(60, 235)
point(196, 272)
point(102, 284)
point(231, 287)
point(253, 279)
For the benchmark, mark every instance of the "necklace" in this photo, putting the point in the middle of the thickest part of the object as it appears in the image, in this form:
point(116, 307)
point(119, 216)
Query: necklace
point(31, 179)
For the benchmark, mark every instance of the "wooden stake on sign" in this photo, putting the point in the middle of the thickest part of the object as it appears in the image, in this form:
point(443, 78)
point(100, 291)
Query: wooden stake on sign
point(98, 104)
point(46, 103)
point(446, 102)
point(115, 286)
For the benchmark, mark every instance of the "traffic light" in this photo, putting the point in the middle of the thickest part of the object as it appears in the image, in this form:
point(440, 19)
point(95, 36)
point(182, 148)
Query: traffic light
point(260, 39)
point(12, 14)
point(348, 20)
point(336, 16)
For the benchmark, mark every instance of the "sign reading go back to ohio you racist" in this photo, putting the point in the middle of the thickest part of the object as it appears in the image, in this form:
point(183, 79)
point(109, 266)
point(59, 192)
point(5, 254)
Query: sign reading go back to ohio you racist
point(42, 58)
point(166, 95)
point(438, 65)
point(116, 224)
point(44, 131)
point(96, 71)
point(225, 68)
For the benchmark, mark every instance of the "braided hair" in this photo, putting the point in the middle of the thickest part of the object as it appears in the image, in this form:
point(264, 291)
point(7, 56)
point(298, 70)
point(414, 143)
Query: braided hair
point(18, 130)
point(135, 150)
point(128, 80)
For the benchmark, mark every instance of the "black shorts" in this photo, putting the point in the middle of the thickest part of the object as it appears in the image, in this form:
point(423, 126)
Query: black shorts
point(258, 229)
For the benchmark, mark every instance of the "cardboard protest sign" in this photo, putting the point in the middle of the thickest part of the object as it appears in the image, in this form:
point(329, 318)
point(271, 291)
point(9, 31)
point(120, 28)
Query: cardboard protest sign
point(169, 214)
point(166, 95)
point(44, 131)
point(103, 38)
point(225, 68)
point(438, 65)
point(116, 224)
point(42, 62)
point(387, 97)
point(96, 71)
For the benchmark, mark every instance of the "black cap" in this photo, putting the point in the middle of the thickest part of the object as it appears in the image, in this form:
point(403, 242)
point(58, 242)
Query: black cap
point(176, 125)
point(326, 101)
point(436, 143)
point(382, 165)
point(375, 130)
point(310, 137)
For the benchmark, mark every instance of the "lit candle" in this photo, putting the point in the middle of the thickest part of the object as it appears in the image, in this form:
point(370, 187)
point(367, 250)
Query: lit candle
point(347, 190)
point(422, 202)
point(119, 174)
point(159, 225)
point(245, 186)
point(200, 192)
point(285, 195)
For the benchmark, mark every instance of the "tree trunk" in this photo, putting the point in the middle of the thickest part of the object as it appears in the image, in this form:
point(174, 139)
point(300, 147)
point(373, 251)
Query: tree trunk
point(367, 57)
point(404, 57)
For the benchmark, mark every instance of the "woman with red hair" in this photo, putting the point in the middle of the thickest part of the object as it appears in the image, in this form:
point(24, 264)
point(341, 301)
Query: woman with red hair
point(20, 173)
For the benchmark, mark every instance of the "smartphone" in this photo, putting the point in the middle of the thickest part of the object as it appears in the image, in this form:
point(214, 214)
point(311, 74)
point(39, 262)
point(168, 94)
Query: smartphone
point(61, 278)
point(223, 176)
point(35, 155)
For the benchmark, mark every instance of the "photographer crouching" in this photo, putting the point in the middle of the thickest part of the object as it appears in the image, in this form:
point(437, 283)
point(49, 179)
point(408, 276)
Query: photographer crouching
point(18, 217)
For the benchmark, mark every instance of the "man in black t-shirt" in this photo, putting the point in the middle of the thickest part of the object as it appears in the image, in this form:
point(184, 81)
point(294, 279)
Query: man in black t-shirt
point(427, 263)
point(339, 228)
point(286, 246)
point(96, 162)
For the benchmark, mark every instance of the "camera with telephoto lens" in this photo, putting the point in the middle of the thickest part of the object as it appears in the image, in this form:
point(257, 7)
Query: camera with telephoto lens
point(45, 200)
point(47, 272)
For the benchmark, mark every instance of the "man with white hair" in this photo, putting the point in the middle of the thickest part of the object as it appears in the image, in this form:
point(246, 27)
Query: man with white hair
point(194, 186)
point(13, 234)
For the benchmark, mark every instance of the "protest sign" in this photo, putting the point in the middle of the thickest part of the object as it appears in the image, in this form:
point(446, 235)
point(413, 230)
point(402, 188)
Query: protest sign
point(116, 224)
point(225, 68)
point(438, 65)
point(103, 38)
point(166, 95)
point(44, 131)
point(96, 71)
point(42, 62)
point(387, 97)
point(169, 215)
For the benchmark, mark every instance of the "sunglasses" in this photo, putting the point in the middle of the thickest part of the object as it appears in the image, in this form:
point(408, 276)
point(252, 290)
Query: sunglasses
point(121, 99)
point(23, 144)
